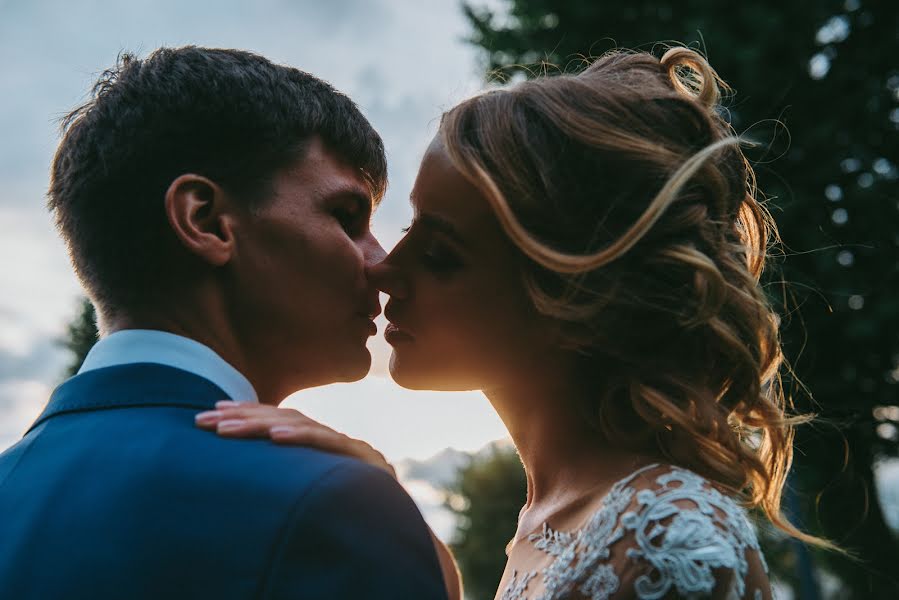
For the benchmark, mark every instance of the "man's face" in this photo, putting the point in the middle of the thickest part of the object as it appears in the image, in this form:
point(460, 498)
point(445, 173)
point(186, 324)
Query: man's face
point(301, 303)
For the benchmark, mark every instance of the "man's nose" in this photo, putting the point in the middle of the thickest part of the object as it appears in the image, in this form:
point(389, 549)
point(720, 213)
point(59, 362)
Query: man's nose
point(373, 252)
point(388, 278)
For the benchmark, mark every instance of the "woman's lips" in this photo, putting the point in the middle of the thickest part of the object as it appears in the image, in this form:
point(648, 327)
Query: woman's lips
point(394, 335)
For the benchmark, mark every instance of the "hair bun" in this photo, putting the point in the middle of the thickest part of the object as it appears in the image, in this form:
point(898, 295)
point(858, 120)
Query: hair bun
point(699, 82)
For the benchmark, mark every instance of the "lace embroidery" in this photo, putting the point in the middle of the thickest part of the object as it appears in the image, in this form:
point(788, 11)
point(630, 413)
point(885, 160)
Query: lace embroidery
point(683, 545)
point(517, 587)
point(551, 542)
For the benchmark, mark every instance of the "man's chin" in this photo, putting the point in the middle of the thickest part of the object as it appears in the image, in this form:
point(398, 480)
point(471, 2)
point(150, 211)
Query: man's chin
point(355, 369)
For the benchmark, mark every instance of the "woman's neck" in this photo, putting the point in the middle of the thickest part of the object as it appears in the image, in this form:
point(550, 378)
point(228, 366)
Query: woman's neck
point(564, 457)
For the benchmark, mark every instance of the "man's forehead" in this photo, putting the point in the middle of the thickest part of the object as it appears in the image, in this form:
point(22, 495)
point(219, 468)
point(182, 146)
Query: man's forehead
point(325, 174)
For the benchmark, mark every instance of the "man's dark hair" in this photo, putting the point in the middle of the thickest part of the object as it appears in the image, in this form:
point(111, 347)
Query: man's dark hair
point(229, 115)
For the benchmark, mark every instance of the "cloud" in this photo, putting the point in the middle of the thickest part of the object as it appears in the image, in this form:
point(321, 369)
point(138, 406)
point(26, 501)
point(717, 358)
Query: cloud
point(39, 288)
point(42, 361)
point(348, 19)
point(21, 402)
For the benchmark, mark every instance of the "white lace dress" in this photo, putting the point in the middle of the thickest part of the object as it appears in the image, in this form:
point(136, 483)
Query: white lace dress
point(662, 532)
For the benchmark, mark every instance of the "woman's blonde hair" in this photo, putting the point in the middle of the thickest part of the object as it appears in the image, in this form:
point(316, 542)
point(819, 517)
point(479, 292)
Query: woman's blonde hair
point(631, 197)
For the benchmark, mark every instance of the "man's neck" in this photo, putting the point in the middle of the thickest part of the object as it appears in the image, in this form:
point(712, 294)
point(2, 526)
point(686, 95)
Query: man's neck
point(203, 327)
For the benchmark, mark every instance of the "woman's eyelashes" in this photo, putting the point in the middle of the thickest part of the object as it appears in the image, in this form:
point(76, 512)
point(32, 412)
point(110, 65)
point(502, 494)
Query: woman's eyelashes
point(434, 255)
point(440, 258)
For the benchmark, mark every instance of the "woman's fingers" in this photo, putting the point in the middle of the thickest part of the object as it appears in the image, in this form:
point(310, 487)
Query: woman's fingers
point(232, 416)
point(285, 426)
point(254, 427)
point(319, 436)
point(324, 438)
point(247, 420)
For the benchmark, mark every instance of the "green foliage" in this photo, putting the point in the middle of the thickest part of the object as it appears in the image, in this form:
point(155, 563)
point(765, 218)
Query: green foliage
point(827, 70)
point(81, 335)
point(486, 499)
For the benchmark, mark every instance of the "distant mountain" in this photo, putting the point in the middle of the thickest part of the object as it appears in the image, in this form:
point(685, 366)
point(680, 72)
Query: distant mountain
point(441, 469)
point(427, 480)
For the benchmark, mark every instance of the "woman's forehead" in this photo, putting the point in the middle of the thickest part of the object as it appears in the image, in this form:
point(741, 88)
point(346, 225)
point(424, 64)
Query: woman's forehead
point(442, 191)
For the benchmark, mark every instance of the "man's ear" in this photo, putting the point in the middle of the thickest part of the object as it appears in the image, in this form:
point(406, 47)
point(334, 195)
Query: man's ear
point(201, 215)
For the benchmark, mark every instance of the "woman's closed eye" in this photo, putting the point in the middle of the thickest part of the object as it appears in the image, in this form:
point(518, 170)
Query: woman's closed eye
point(439, 258)
point(433, 253)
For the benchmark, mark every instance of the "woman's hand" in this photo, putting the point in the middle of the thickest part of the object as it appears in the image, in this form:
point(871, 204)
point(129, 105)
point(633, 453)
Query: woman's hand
point(286, 426)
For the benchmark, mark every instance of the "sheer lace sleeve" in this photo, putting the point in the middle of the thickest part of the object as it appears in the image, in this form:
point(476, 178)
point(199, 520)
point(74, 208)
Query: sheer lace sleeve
point(661, 533)
point(684, 538)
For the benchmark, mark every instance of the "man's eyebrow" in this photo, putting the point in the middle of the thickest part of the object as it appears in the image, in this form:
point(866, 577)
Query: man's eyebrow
point(440, 224)
point(359, 194)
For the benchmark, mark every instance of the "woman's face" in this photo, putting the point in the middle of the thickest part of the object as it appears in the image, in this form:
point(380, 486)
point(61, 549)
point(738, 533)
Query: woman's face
point(464, 320)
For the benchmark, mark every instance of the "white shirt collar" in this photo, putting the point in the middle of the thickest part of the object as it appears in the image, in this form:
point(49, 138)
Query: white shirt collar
point(149, 346)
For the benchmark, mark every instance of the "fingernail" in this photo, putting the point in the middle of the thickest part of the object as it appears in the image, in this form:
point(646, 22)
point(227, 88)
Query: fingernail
point(230, 424)
point(225, 403)
point(208, 416)
point(281, 430)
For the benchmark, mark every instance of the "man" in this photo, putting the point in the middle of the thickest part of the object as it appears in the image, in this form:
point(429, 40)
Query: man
point(216, 208)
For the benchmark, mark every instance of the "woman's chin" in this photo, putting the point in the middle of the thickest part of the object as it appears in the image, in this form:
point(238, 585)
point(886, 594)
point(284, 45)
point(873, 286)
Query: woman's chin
point(418, 377)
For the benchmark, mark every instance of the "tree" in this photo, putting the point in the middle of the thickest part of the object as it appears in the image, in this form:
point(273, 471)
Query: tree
point(486, 498)
point(81, 335)
point(827, 71)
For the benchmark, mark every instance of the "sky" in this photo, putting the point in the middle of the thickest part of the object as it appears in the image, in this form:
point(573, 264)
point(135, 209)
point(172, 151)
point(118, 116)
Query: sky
point(403, 61)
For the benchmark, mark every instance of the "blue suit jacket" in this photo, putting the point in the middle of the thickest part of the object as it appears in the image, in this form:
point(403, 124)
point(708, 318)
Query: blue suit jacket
point(114, 493)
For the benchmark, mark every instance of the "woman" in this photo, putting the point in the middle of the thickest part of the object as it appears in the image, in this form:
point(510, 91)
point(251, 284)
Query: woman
point(586, 250)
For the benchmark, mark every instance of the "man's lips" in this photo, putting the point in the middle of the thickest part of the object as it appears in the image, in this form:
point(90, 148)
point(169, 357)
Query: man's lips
point(370, 313)
point(371, 327)
point(373, 309)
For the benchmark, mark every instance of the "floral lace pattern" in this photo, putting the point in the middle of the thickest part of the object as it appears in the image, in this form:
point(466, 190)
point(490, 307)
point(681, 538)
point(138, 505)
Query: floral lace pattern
point(517, 586)
point(678, 532)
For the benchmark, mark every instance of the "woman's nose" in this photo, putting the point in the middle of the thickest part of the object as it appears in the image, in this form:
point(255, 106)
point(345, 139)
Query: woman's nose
point(388, 278)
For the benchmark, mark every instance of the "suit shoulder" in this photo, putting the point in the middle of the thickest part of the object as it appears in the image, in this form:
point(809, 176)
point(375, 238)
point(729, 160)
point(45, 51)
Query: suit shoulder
point(358, 518)
point(260, 465)
point(356, 492)
point(355, 477)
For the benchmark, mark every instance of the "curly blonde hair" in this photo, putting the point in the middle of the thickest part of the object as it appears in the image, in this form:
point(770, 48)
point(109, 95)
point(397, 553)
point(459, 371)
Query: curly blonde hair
point(630, 197)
